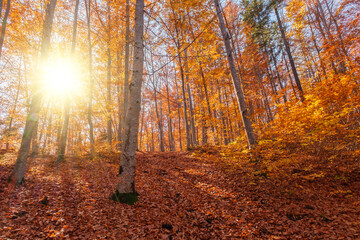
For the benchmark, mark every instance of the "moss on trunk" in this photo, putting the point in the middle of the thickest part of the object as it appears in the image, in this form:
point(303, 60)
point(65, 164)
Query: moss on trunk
point(128, 198)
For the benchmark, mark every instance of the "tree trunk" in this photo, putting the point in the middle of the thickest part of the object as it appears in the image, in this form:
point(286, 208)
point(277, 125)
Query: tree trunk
point(182, 74)
point(43, 127)
point(288, 51)
point(208, 103)
point(282, 87)
point(159, 122)
point(119, 95)
point(187, 128)
point(125, 190)
point(127, 67)
point(12, 112)
point(1, 7)
point(191, 109)
point(170, 133)
point(47, 137)
point(236, 81)
point(35, 141)
point(3, 25)
point(64, 131)
point(91, 88)
point(17, 175)
point(152, 148)
point(179, 115)
point(108, 82)
point(141, 129)
point(158, 115)
point(108, 99)
point(316, 46)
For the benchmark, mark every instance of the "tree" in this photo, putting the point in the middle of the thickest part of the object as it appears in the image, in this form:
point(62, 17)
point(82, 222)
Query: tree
point(64, 131)
point(235, 77)
point(4, 23)
point(91, 78)
point(127, 67)
point(125, 190)
point(17, 175)
point(288, 51)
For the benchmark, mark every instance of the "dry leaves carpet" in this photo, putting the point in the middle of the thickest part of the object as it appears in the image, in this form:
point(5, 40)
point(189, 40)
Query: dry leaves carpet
point(181, 197)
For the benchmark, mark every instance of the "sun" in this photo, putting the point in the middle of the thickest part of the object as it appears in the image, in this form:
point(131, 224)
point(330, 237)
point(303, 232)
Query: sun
point(61, 79)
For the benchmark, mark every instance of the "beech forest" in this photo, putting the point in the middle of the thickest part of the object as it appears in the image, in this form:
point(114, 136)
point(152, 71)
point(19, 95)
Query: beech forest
point(169, 119)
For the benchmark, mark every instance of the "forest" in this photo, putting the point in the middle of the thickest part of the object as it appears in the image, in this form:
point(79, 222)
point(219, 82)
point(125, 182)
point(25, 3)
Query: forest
point(169, 119)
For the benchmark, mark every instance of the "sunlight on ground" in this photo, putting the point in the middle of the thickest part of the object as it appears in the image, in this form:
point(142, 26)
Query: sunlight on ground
point(213, 190)
point(62, 79)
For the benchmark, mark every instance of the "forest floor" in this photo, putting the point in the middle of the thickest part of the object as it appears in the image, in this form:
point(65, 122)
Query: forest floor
point(181, 197)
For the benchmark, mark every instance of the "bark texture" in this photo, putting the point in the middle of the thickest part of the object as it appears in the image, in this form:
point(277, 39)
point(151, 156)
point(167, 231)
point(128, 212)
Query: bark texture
point(126, 184)
point(127, 66)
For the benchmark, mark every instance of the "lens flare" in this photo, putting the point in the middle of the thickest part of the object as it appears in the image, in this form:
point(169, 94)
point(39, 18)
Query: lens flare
point(61, 79)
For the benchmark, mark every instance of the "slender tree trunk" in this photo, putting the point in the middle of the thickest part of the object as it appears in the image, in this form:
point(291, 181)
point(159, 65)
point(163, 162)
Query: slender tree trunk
point(171, 136)
point(179, 127)
point(317, 47)
point(12, 112)
point(108, 82)
point(152, 138)
point(339, 33)
point(35, 141)
point(108, 99)
point(17, 175)
point(236, 81)
point(221, 113)
point(288, 51)
point(204, 83)
point(179, 115)
point(208, 102)
point(192, 118)
point(228, 117)
point(64, 131)
point(47, 137)
point(187, 128)
point(204, 136)
point(127, 66)
point(58, 131)
point(278, 75)
point(74, 33)
point(141, 129)
point(289, 74)
point(1, 7)
point(159, 122)
point(3, 25)
point(119, 93)
point(263, 92)
point(191, 108)
point(126, 183)
point(44, 129)
point(91, 88)
point(182, 74)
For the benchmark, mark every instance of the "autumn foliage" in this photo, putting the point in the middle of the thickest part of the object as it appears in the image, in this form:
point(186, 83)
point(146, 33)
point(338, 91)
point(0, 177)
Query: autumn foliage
point(294, 63)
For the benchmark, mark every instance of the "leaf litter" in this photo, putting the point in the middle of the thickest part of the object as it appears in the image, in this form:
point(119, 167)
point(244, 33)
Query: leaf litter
point(181, 197)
